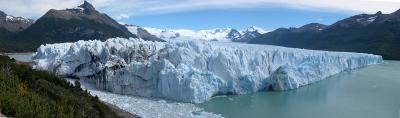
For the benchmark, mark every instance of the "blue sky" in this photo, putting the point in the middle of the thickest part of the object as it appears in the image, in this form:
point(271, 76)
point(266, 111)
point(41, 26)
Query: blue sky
point(206, 14)
point(267, 18)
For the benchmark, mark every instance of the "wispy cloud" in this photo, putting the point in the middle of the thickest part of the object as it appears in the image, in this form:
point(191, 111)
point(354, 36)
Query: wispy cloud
point(122, 16)
point(366, 6)
point(125, 8)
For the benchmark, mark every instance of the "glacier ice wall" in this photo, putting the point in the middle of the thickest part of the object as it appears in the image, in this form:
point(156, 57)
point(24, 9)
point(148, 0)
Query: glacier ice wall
point(193, 71)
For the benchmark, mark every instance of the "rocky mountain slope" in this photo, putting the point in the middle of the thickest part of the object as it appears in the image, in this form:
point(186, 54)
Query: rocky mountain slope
point(247, 35)
point(367, 33)
point(69, 25)
point(12, 23)
point(142, 33)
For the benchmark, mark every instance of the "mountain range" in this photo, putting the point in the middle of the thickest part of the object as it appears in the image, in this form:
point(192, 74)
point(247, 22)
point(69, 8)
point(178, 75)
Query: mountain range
point(12, 23)
point(366, 33)
point(217, 34)
point(56, 26)
point(9, 25)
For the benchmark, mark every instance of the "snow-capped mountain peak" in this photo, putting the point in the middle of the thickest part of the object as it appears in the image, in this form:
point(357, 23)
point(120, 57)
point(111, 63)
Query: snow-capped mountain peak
point(216, 34)
point(234, 35)
point(85, 8)
point(18, 19)
point(13, 23)
point(255, 29)
point(141, 32)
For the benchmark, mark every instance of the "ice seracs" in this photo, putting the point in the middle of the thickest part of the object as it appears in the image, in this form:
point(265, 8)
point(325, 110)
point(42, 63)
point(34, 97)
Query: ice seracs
point(193, 71)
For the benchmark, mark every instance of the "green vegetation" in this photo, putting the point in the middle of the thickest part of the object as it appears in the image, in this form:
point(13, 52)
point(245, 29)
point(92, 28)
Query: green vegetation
point(5, 33)
point(28, 93)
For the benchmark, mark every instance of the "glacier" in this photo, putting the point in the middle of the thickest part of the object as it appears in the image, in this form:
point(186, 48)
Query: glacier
point(193, 71)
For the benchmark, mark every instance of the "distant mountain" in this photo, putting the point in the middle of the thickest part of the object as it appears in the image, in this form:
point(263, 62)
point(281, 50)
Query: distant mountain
point(142, 33)
point(12, 23)
point(218, 34)
point(171, 34)
point(234, 35)
point(249, 34)
point(289, 37)
point(367, 33)
point(70, 25)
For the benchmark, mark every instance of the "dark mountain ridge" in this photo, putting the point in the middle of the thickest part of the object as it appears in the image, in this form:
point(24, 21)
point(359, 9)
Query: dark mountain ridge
point(366, 33)
point(247, 35)
point(69, 25)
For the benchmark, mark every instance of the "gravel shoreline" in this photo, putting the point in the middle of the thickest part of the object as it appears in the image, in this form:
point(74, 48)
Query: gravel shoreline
point(120, 112)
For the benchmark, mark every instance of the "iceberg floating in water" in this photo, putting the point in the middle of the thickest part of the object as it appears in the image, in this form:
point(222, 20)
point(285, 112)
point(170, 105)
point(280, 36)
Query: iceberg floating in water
point(193, 71)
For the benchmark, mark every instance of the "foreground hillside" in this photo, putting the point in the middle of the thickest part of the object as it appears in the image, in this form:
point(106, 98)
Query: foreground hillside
point(27, 93)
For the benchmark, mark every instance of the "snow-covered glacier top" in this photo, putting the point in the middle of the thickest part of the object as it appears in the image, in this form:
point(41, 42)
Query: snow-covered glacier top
point(193, 71)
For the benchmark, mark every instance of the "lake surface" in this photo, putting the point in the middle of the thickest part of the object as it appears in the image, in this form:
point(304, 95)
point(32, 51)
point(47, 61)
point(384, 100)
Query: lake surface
point(371, 92)
point(23, 57)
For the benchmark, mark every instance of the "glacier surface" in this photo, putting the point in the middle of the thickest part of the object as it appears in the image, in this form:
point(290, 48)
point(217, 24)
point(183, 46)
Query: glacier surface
point(193, 71)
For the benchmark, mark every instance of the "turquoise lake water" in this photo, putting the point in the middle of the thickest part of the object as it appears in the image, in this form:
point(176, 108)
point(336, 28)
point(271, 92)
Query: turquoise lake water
point(371, 92)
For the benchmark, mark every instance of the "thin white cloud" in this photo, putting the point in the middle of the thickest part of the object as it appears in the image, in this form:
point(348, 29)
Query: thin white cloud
point(122, 16)
point(123, 8)
point(33, 8)
point(365, 6)
point(36, 8)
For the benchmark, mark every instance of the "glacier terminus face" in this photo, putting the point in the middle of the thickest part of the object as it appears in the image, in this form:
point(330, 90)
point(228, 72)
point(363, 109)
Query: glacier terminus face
point(193, 71)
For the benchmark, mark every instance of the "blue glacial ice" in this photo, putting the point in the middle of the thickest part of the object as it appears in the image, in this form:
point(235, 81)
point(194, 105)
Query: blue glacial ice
point(193, 71)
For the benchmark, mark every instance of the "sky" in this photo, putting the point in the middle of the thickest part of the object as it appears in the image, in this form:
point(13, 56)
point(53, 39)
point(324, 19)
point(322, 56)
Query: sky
point(207, 14)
